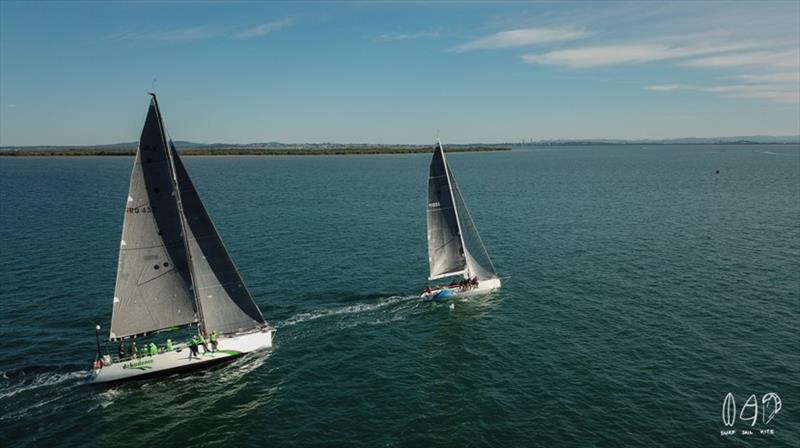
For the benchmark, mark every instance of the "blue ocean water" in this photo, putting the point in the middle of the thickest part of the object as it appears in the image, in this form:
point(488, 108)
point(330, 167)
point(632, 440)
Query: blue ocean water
point(644, 287)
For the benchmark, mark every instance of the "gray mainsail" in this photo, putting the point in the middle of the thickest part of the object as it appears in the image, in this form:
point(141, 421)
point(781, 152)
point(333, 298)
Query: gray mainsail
point(445, 248)
point(152, 288)
point(225, 304)
point(454, 245)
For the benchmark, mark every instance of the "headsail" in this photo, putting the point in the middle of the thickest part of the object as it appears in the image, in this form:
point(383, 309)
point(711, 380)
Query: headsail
point(152, 289)
point(225, 303)
point(445, 249)
point(478, 262)
point(454, 245)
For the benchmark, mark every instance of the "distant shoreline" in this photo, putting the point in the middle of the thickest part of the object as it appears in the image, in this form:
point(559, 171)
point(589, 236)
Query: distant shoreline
point(246, 151)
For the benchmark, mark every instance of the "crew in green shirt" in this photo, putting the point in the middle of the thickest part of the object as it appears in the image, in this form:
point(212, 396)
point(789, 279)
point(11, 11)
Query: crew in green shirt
point(193, 346)
point(203, 342)
point(214, 341)
point(168, 346)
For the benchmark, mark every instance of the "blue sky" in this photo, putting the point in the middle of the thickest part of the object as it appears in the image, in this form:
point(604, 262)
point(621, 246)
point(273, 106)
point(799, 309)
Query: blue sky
point(377, 72)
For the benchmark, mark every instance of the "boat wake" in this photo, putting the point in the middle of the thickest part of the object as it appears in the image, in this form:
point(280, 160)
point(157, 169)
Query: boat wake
point(349, 309)
point(25, 380)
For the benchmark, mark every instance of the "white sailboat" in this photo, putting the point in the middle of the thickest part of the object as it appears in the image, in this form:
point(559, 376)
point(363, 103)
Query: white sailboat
point(455, 248)
point(174, 271)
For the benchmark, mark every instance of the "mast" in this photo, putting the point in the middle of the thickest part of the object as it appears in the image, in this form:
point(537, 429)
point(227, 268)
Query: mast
point(455, 208)
point(176, 189)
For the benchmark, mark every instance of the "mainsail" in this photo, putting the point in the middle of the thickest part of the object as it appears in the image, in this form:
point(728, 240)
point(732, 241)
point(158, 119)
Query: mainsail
point(445, 249)
point(152, 289)
point(454, 245)
point(224, 302)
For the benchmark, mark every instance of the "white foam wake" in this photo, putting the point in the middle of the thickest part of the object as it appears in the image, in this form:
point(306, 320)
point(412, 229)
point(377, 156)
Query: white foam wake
point(42, 380)
point(350, 309)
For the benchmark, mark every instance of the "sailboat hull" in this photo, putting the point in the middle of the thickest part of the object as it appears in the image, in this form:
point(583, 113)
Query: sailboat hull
point(179, 359)
point(446, 292)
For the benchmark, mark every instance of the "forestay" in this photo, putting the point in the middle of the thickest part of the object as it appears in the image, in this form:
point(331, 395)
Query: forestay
point(152, 288)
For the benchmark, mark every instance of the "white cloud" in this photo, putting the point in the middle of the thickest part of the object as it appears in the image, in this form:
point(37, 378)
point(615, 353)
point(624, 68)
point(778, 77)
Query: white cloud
point(783, 59)
point(176, 35)
point(668, 87)
point(521, 38)
point(392, 37)
point(197, 33)
point(779, 93)
point(776, 96)
point(264, 28)
point(769, 77)
point(605, 55)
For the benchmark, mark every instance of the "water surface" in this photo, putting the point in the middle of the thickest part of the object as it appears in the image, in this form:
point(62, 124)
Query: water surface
point(644, 287)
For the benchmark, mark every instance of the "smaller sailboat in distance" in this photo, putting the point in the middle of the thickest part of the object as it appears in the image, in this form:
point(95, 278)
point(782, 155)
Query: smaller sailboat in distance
point(455, 248)
point(173, 273)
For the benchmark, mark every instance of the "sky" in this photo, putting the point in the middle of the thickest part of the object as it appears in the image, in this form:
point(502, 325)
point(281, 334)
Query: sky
point(77, 73)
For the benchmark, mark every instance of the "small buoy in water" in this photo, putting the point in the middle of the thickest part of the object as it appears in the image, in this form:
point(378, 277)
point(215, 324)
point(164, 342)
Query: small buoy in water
point(717, 172)
point(452, 306)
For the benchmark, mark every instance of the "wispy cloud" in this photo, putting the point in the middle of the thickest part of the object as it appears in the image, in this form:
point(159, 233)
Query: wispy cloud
point(668, 87)
point(175, 35)
point(198, 33)
point(605, 55)
point(392, 37)
point(787, 77)
point(522, 38)
point(774, 92)
point(264, 28)
point(782, 59)
point(769, 92)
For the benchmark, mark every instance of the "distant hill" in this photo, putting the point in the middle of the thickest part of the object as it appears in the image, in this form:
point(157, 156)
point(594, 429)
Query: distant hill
point(183, 144)
point(746, 139)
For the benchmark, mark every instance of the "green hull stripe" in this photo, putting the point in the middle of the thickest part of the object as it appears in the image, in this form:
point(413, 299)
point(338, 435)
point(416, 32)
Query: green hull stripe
point(226, 352)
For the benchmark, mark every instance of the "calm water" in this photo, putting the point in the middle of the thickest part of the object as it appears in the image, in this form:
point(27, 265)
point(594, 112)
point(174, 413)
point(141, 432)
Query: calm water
point(644, 288)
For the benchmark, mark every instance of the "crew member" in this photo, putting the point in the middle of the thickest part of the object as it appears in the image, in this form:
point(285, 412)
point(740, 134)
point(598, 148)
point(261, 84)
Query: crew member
point(193, 346)
point(213, 341)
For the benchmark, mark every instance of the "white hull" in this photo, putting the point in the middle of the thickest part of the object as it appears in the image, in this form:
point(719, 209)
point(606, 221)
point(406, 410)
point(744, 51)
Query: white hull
point(447, 292)
point(180, 358)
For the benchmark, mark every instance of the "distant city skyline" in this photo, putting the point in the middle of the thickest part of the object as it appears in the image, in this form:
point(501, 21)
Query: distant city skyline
point(398, 73)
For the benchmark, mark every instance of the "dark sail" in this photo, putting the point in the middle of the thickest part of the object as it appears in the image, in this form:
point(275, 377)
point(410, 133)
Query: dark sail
point(445, 251)
point(224, 301)
point(152, 289)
